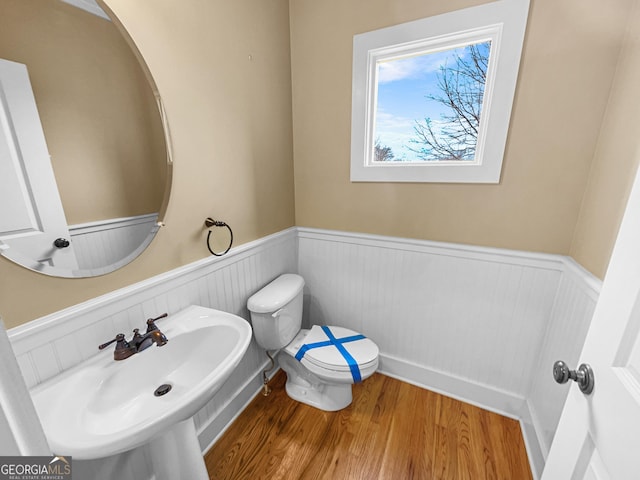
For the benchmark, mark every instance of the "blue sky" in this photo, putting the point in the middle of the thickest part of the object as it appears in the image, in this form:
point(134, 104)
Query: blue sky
point(402, 88)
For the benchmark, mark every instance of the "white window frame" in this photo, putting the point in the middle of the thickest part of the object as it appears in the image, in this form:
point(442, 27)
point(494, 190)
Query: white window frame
point(503, 23)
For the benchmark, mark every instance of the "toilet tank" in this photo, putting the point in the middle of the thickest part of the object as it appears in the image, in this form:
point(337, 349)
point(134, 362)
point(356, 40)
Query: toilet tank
point(276, 311)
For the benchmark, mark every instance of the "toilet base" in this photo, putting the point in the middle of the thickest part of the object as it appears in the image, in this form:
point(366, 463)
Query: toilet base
point(305, 387)
point(329, 398)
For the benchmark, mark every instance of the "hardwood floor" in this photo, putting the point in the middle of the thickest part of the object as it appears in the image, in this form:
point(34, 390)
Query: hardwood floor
point(392, 430)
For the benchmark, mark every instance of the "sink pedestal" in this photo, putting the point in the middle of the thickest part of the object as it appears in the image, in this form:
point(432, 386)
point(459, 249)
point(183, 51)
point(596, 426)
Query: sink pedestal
point(176, 453)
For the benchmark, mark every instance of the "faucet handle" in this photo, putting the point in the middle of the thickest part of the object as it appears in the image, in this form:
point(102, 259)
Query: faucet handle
point(136, 335)
point(119, 338)
point(151, 326)
point(123, 349)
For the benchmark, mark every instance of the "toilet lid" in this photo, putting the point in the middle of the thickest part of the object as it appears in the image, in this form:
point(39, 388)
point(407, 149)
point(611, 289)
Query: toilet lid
point(337, 348)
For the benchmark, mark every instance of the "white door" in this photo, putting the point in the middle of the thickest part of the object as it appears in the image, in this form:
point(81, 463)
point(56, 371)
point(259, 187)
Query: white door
point(31, 214)
point(598, 436)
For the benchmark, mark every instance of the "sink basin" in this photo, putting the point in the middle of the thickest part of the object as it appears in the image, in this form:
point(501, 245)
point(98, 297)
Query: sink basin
point(103, 407)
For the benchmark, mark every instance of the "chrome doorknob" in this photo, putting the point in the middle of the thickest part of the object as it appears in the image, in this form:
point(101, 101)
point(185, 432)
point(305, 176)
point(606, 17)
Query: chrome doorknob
point(583, 376)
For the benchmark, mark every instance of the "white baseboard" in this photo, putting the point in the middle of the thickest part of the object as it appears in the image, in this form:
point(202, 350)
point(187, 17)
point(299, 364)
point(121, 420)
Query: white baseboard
point(468, 391)
point(483, 396)
point(532, 441)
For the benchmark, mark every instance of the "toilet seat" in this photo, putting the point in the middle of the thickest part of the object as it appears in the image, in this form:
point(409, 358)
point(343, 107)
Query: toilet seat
point(335, 351)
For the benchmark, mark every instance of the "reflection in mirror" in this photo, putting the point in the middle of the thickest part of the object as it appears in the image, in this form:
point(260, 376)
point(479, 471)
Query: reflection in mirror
point(83, 158)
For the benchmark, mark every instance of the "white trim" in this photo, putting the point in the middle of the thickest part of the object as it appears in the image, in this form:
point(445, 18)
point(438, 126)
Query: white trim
point(490, 33)
point(532, 444)
point(111, 223)
point(585, 280)
point(467, 391)
point(493, 399)
point(501, 255)
point(507, 20)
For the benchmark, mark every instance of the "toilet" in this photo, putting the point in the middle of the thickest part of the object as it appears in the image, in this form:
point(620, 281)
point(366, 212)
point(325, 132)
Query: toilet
point(321, 363)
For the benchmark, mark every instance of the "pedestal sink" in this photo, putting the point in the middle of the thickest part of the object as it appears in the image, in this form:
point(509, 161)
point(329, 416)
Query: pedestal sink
point(103, 407)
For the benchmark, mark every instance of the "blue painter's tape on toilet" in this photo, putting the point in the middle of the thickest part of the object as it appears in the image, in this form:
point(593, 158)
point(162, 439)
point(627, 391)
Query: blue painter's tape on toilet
point(339, 344)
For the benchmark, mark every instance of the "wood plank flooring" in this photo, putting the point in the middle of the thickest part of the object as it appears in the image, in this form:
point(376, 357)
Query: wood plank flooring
point(392, 430)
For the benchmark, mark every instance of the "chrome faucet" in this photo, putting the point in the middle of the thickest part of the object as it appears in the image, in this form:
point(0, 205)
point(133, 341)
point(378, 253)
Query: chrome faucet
point(138, 342)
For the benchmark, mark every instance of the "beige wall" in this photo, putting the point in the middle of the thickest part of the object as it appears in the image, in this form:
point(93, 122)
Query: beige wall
point(569, 60)
point(95, 105)
point(223, 71)
point(615, 161)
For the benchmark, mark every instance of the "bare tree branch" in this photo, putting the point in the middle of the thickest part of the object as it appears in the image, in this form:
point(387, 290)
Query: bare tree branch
point(455, 135)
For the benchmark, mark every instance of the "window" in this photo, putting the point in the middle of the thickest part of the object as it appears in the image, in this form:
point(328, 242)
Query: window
point(432, 98)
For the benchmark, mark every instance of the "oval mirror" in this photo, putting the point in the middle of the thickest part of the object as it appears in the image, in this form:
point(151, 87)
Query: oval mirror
point(85, 168)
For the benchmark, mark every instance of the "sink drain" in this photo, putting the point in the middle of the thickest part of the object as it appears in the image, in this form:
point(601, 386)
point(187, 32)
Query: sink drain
point(162, 390)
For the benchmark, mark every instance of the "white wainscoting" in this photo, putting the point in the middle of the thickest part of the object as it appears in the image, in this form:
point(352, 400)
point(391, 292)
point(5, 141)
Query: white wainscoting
point(567, 328)
point(108, 242)
point(480, 324)
point(52, 344)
